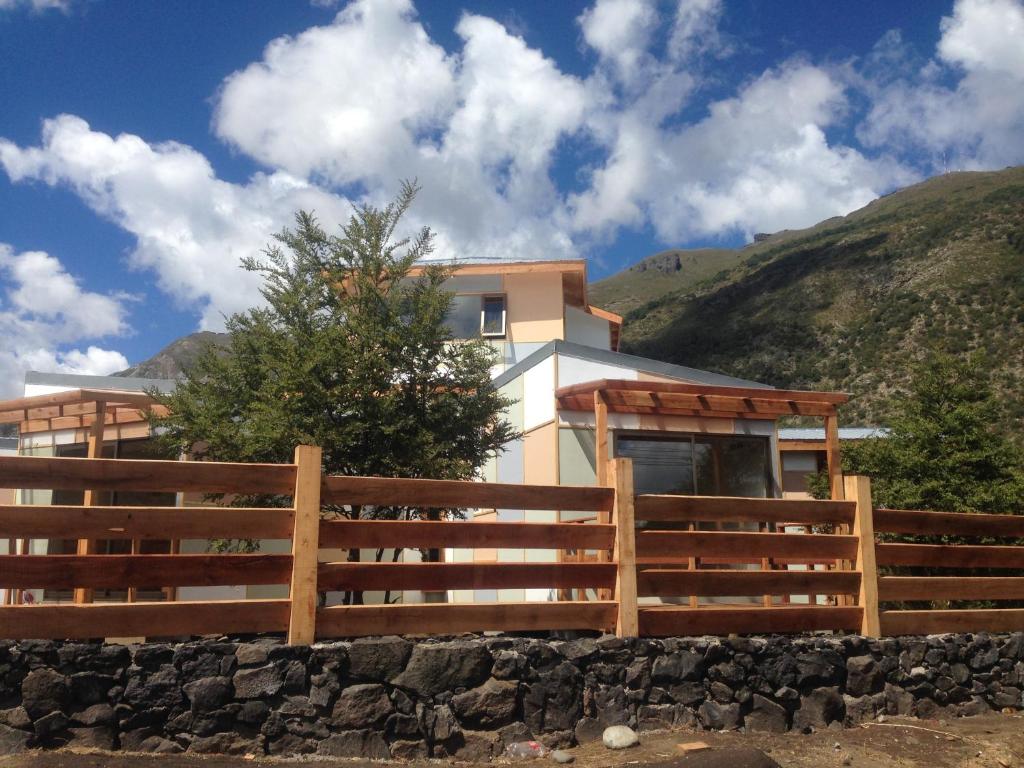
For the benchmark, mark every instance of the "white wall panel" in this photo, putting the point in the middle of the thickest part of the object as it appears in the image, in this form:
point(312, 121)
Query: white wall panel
point(572, 370)
point(584, 328)
point(539, 393)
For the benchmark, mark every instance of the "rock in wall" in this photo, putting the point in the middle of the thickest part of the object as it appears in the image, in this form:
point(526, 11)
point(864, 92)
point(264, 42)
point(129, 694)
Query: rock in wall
point(470, 697)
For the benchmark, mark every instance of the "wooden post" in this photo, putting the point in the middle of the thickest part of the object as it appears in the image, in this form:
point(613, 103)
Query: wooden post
point(95, 451)
point(627, 622)
point(832, 457)
point(601, 437)
point(305, 545)
point(858, 489)
point(833, 463)
point(601, 465)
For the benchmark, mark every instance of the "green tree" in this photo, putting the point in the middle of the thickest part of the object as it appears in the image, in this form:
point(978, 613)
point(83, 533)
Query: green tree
point(949, 447)
point(350, 352)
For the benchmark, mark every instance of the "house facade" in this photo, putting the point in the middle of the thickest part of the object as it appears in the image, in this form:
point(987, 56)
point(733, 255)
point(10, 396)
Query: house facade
point(578, 402)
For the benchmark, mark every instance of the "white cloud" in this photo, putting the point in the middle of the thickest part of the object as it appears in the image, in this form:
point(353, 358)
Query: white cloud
point(976, 122)
point(348, 101)
point(695, 29)
point(347, 109)
point(620, 32)
point(44, 310)
point(370, 99)
point(37, 6)
point(191, 228)
point(759, 161)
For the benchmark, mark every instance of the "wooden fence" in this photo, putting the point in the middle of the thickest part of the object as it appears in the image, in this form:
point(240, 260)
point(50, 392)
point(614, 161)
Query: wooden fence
point(647, 549)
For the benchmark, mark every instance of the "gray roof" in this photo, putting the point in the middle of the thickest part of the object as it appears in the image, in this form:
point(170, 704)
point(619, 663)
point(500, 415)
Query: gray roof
point(818, 433)
point(84, 381)
point(581, 352)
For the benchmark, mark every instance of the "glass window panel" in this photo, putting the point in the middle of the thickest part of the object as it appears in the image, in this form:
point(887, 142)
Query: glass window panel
point(464, 317)
point(494, 316)
point(659, 465)
point(745, 467)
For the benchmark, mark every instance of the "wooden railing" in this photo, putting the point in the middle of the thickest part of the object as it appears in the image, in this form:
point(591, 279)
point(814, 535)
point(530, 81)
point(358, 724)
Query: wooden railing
point(717, 568)
point(307, 578)
point(658, 571)
point(951, 587)
point(141, 523)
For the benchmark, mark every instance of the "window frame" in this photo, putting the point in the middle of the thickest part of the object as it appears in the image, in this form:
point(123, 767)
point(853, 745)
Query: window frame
point(504, 315)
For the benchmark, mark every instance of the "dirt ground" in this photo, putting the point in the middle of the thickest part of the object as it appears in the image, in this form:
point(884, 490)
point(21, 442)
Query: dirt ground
point(991, 741)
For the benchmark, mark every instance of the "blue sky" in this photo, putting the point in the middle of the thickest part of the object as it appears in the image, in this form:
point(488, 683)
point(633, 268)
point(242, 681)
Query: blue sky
point(144, 147)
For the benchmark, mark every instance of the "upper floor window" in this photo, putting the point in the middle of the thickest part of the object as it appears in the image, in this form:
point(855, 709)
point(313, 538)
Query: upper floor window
point(492, 316)
point(473, 315)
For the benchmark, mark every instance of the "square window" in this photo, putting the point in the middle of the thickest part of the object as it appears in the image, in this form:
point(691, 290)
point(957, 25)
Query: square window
point(492, 316)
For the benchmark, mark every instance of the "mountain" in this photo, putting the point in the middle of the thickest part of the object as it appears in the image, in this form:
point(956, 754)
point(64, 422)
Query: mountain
point(176, 357)
point(849, 303)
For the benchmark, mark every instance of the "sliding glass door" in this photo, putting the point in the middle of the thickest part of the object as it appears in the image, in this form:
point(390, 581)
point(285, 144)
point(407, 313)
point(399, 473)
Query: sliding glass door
point(702, 465)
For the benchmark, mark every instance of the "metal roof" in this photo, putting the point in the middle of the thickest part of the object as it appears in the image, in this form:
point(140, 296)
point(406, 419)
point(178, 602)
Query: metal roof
point(84, 381)
point(645, 364)
point(818, 433)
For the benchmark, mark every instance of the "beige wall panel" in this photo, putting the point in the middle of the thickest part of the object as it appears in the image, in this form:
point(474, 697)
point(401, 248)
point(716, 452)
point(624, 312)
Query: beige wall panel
point(514, 391)
point(576, 457)
point(540, 456)
point(534, 306)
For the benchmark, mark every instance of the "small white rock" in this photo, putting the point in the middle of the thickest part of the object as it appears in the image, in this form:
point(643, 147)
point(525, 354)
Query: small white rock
point(619, 737)
point(563, 757)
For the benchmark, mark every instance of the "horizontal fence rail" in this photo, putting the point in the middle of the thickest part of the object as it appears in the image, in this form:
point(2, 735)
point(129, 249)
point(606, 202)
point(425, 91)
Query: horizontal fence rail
point(55, 522)
point(368, 534)
point(440, 577)
point(925, 586)
point(67, 474)
point(348, 620)
point(666, 508)
point(118, 571)
point(459, 494)
point(652, 565)
point(87, 572)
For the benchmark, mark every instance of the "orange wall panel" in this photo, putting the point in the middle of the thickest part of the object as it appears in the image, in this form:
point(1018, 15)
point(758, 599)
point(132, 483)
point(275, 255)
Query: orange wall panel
point(535, 306)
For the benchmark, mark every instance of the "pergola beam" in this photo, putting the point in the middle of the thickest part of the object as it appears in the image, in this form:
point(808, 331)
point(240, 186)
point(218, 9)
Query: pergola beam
point(677, 399)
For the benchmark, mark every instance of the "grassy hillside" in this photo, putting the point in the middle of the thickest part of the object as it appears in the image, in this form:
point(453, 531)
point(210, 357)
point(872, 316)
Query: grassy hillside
point(666, 272)
point(849, 303)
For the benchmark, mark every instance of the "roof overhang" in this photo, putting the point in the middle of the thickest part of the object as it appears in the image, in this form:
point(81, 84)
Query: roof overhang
point(680, 399)
point(75, 408)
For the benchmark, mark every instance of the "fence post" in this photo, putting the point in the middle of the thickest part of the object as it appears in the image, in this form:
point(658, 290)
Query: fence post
point(627, 622)
point(858, 489)
point(305, 545)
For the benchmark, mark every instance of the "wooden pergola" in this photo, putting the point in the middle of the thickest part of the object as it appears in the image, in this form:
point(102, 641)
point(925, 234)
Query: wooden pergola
point(91, 409)
point(655, 398)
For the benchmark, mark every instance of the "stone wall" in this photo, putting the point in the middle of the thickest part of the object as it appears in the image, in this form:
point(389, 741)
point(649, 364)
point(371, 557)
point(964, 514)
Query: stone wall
point(469, 697)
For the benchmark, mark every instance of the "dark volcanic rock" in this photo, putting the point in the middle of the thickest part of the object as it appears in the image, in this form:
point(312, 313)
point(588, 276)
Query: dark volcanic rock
point(257, 683)
point(364, 743)
point(719, 717)
point(677, 667)
point(209, 693)
point(444, 667)
point(819, 708)
point(43, 691)
point(362, 706)
point(491, 705)
point(12, 740)
point(863, 676)
point(378, 658)
point(766, 715)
